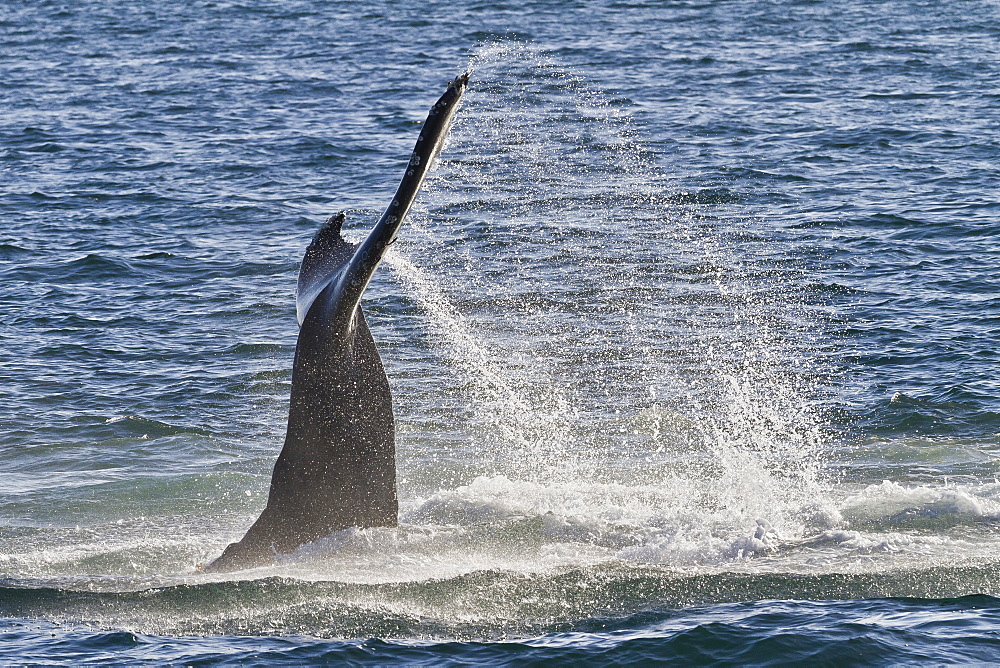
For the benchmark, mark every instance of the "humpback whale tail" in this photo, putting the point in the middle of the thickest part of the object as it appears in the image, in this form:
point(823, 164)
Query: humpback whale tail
point(337, 468)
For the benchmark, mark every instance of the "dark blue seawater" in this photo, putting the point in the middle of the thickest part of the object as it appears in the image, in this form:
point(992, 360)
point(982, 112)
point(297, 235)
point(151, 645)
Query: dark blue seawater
point(692, 335)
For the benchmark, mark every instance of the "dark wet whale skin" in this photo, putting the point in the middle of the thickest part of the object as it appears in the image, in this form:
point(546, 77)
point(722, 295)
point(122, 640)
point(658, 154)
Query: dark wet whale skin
point(337, 468)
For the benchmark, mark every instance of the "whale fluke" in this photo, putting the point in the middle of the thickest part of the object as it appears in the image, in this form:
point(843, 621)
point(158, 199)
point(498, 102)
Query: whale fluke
point(337, 468)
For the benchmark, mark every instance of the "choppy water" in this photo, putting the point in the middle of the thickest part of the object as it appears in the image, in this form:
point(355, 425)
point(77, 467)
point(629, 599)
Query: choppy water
point(692, 335)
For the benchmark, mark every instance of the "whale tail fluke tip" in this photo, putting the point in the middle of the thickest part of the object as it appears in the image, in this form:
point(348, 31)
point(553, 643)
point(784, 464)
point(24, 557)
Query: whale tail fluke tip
point(334, 223)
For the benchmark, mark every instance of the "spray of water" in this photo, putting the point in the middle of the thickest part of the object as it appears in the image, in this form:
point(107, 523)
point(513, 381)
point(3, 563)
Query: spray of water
point(512, 420)
point(606, 332)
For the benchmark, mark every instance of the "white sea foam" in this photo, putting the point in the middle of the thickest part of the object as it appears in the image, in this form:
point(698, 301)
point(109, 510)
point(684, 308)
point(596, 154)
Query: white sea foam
point(891, 503)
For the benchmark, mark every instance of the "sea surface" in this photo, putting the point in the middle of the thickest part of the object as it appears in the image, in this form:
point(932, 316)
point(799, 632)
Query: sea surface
point(692, 334)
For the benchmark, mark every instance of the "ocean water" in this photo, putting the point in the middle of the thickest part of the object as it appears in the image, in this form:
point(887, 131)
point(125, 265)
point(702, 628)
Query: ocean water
point(692, 334)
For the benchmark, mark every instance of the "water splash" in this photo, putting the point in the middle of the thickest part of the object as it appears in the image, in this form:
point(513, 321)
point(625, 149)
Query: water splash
point(514, 422)
point(607, 330)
